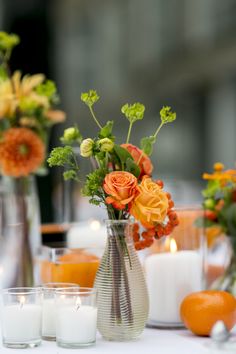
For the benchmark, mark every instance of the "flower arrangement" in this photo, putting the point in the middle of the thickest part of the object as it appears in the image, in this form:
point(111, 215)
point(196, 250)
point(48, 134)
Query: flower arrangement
point(26, 115)
point(220, 200)
point(121, 179)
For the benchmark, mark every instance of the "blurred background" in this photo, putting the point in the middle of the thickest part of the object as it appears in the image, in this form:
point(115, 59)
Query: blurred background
point(178, 53)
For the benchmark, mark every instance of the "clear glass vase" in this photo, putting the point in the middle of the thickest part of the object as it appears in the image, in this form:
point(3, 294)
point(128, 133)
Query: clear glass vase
point(122, 293)
point(21, 193)
point(227, 281)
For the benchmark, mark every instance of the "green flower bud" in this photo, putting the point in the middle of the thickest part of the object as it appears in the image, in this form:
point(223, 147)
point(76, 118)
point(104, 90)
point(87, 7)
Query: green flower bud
point(86, 147)
point(209, 203)
point(105, 144)
point(71, 135)
point(166, 115)
point(89, 98)
point(133, 112)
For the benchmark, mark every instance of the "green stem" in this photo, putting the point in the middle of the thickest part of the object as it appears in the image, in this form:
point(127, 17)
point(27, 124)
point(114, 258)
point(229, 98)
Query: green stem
point(158, 129)
point(94, 117)
point(129, 132)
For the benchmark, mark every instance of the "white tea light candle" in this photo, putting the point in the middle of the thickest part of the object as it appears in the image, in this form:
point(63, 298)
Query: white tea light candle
point(76, 323)
point(170, 277)
point(49, 308)
point(21, 317)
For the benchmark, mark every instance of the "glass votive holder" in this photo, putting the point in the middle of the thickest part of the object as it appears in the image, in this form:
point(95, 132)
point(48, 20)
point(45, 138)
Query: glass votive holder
point(76, 317)
point(21, 317)
point(174, 268)
point(49, 308)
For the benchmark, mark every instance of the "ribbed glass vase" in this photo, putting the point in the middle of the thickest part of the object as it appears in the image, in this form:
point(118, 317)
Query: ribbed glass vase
point(122, 292)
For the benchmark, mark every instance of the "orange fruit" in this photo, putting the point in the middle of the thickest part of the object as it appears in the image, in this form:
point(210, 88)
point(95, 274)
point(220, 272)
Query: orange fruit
point(200, 311)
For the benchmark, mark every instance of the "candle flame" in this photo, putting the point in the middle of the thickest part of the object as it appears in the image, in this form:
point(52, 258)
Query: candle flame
point(173, 246)
point(95, 225)
point(22, 301)
point(78, 303)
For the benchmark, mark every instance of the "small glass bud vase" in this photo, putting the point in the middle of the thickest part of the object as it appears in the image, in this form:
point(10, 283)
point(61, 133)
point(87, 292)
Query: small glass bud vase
point(122, 292)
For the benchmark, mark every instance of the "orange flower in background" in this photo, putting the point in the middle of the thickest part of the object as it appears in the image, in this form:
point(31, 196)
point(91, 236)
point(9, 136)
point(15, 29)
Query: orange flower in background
point(21, 152)
point(55, 116)
point(141, 159)
point(220, 174)
point(151, 204)
point(120, 187)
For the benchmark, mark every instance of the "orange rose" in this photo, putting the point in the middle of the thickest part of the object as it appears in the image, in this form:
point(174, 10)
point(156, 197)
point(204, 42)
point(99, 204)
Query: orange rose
point(120, 187)
point(150, 205)
point(144, 164)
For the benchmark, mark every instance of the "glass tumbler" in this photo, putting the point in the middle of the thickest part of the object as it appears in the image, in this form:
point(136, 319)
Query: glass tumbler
point(21, 317)
point(76, 317)
point(49, 308)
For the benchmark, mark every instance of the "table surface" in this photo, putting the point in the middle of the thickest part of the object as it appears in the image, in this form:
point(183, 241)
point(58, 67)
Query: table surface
point(152, 341)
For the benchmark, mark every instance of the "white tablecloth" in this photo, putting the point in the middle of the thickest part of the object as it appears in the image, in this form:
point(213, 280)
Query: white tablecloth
point(152, 341)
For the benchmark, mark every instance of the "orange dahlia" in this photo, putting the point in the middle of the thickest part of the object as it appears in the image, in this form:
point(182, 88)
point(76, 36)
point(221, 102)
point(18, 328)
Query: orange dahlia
point(21, 152)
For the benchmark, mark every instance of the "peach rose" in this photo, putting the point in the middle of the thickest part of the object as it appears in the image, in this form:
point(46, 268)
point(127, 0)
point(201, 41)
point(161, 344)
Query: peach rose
point(150, 204)
point(144, 164)
point(120, 187)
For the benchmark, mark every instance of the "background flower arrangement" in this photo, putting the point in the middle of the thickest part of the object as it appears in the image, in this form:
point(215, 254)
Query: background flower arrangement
point(26, 115)
point(121, 179)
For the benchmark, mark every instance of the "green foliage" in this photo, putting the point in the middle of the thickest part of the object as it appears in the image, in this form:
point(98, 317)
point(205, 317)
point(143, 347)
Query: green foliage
point(93, 186)
point(132, 167)
point(60, 156)
point(147, 144)
point(70, 174)
point(8, 41)
point(167, 116)
point(106, 131)
point(213, 186)
point(89, 98)
point(133, 112)
point(203, 222)
point(122, 154)
point(229, 215)
point(3, 73)
point(47, 89)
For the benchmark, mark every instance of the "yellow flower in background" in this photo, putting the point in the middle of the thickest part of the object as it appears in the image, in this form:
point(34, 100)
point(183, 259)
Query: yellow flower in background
point(19, 91)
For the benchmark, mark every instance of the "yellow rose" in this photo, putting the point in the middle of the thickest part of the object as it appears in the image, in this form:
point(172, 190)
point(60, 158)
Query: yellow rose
point(86, 147)
point(151, 203)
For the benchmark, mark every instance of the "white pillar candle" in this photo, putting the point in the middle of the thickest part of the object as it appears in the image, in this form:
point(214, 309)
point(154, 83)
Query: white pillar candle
point(170, 277)
point(21, 323)
point(76, 325)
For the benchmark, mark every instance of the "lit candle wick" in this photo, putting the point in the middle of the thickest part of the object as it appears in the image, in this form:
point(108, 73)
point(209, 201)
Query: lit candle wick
point(22, 301)
point(78, 303)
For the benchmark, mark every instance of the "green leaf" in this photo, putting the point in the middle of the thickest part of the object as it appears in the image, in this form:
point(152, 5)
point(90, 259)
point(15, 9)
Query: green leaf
point(8, 41)
point(122, 153)
point(106, 131)
point(132, 167)
point(147, 144)
point(229, 215)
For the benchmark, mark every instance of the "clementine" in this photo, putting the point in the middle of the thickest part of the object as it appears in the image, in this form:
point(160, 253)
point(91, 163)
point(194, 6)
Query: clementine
point(200, 311)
